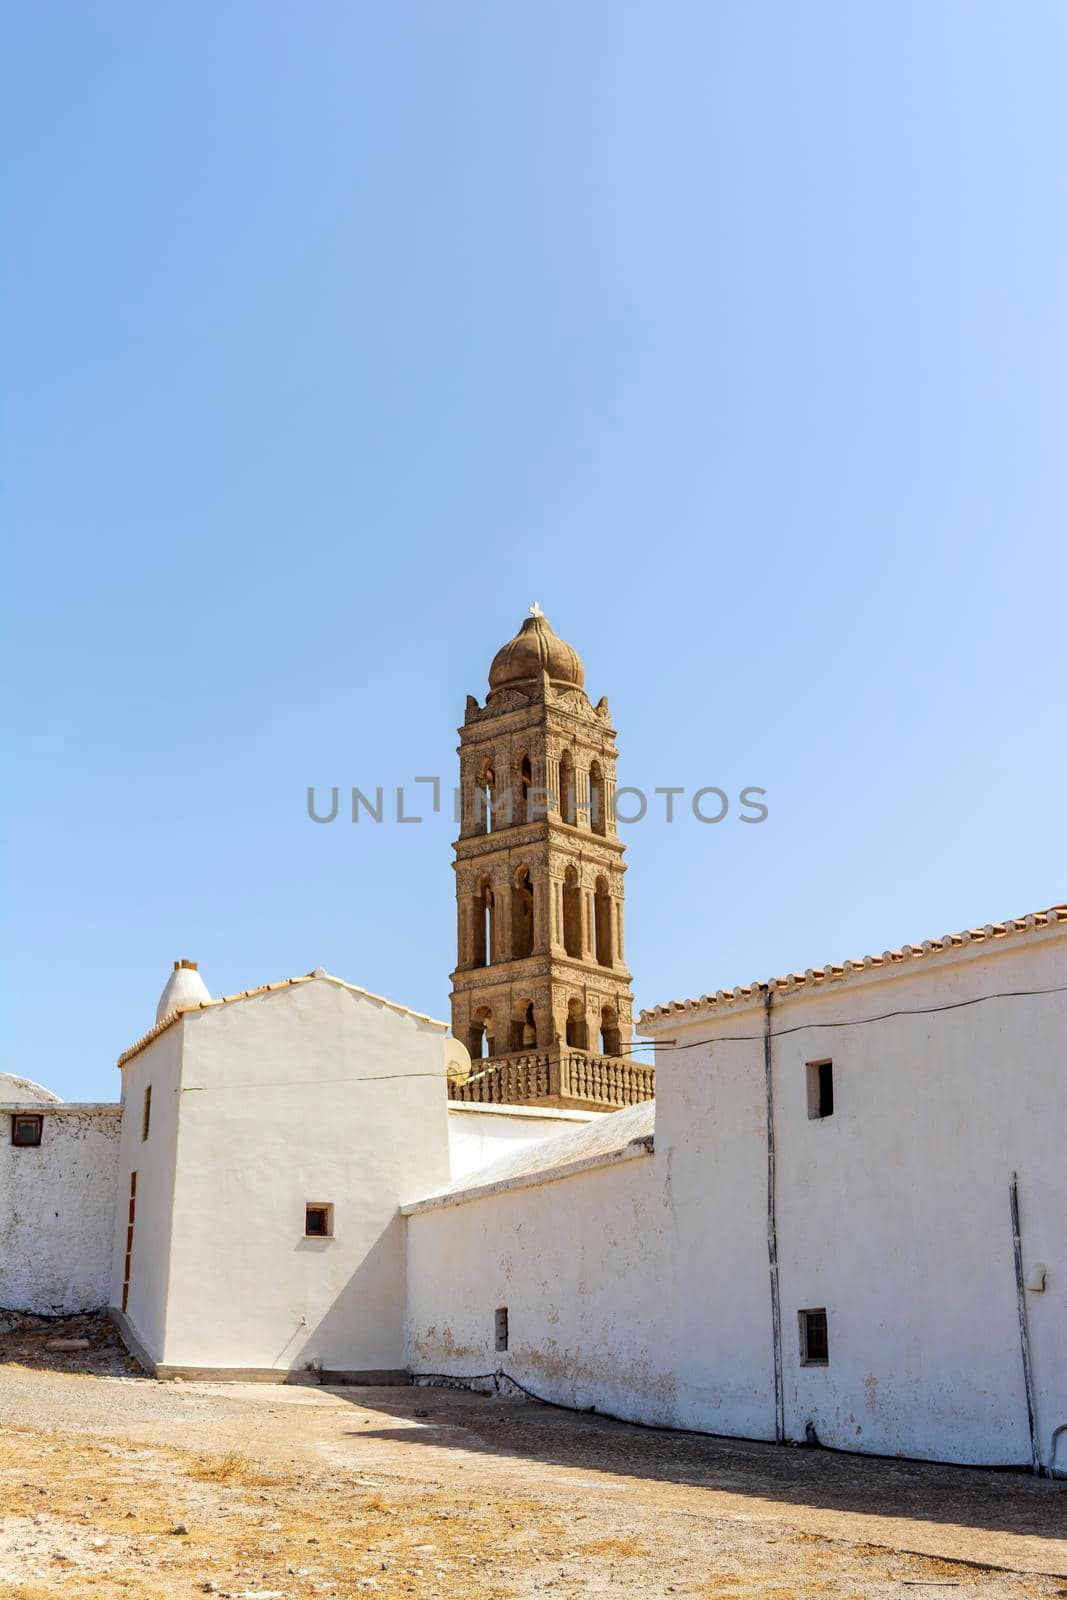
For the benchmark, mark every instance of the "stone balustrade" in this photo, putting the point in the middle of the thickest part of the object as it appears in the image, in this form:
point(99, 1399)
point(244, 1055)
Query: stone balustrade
point(560, 1076)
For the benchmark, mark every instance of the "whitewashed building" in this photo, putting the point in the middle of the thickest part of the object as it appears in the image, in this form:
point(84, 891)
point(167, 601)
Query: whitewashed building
point(58, 1168)
point(842, 1221)
point(239, 1209)
point(815, 1241)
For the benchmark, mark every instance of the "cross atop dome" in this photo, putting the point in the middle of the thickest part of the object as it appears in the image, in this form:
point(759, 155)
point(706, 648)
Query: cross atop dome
point(536, 648)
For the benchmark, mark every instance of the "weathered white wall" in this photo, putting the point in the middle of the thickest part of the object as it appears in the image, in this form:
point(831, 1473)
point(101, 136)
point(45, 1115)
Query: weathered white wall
point(158, 1064)
point(477, 1134)
point(577, 1263)
point(309, 1093)
point(893, 1214)
point(57, 1204)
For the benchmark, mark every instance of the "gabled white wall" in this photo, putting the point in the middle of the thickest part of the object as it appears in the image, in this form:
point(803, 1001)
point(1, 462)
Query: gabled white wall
point(305, 1093)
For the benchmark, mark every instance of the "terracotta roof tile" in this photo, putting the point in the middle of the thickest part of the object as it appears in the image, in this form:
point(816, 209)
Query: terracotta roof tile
point(814, 976)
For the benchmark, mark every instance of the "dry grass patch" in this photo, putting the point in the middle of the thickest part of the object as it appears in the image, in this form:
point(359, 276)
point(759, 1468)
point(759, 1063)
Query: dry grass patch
point(614, 1547)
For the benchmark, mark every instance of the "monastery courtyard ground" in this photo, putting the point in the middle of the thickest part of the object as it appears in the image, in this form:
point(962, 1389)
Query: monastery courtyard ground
point(112, 1485)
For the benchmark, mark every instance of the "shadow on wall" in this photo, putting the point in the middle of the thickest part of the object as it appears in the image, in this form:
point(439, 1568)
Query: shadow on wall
point(1006, 1502)
point(363, 1330)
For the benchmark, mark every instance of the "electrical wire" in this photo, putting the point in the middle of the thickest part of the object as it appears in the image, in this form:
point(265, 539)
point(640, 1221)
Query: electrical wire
point(857, 1022)
point(661, 1044)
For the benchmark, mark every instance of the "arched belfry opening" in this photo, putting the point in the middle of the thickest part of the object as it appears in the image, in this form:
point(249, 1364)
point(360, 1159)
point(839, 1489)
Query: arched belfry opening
point(522, 784)
point(523, 1026)
point(577, 1027)
point(485, 806)
point(567, 800)
point(522, 915)
point(540, 989)
point(480, 1041)
point(598, 799)
point(609, 1031)
point(482, 909)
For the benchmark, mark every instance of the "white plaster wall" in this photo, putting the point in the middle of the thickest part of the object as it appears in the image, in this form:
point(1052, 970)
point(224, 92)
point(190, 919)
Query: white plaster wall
point(302, 1094)
point(576, 1261)
point(710, 1143)
point(645, 1289)
point(57, 1204)
point(158, 1064)
point(479, 1134)
point(894, 1212)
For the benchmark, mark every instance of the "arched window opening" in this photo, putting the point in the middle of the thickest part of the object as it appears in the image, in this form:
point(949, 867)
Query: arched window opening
point(482, 925)
point(609, 1031)
point(521, 786)
point(572, 914)
point(485, 818)
point(577, 1027)
point(566, 787)
point(521, 915)
point(602, 920)
point(479, 1039)
point(523, 1027)
point(598, 799)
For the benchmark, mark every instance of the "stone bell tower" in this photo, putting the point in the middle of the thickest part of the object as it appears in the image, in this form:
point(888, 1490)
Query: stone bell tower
point(541, 995)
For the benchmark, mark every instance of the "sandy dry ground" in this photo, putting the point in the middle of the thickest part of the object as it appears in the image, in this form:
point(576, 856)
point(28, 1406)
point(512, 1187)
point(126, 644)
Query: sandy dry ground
point(118, 1488)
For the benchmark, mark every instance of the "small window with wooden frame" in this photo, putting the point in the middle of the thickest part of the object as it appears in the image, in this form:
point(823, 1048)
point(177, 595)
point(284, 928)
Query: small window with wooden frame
point(146, 1113)
point(814, 1338)
point(500, 1328)
point(26, 1129)
point(318, 1220)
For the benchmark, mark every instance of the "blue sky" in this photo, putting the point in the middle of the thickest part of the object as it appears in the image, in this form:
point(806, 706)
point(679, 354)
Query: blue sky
point(735, 334)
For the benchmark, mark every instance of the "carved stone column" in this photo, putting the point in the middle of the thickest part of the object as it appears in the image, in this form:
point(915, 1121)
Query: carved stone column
point(542, 914)
point(581, 797)
point(502, 920)
point(588, 924)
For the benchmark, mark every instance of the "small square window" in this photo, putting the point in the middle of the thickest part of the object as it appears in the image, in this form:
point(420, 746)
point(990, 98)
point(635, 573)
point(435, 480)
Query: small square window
point(501, 1328)
point(318, 1221)
point(146, 1114)
point(820, 1089)
point(26, 1130)
point(814, 1339)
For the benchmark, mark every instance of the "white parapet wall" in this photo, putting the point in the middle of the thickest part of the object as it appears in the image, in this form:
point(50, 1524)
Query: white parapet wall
point(479, 1134)
point(57, 1205)
point(568, 1237)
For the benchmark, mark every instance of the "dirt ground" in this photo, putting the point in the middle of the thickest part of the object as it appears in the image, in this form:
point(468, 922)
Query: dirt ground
point(115, 1487)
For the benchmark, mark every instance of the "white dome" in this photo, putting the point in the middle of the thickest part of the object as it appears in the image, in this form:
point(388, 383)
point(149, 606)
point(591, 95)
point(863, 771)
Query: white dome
point(185, 987)
point(24, 1092)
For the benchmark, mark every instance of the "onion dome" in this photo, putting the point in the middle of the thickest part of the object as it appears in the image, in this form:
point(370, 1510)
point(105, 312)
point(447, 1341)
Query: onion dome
point(185, 987)
point(536, 649)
